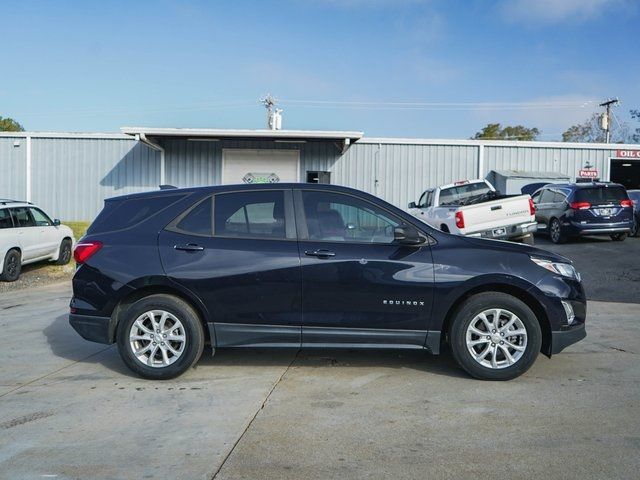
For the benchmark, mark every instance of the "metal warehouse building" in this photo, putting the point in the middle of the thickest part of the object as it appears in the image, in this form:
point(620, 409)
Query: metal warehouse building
point(70, 174)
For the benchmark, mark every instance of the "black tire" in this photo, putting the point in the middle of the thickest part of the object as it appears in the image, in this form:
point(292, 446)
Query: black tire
point(618, 237)
point(635, 230)
point(64, 255)
point(555, 232)
point(469, 311)
point(444, 228)
point(12, 266)
point(193, 333)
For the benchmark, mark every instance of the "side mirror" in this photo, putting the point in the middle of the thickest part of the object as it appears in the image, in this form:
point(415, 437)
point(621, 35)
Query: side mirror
point(407, 235)
point(56, 222)
point(412, 205)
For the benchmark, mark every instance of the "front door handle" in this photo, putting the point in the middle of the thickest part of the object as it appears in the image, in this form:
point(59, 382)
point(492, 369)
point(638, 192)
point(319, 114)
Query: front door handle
point(322, 253)
point(189, 247)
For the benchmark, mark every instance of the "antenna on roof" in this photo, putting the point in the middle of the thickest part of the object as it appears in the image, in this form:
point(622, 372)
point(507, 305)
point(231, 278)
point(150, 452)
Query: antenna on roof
point(274, 115)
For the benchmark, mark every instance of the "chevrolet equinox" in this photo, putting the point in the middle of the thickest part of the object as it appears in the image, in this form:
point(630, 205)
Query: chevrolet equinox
point(164, 273)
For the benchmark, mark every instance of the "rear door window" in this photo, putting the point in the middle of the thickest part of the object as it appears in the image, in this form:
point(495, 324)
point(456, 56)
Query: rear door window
point(22, 217)
point(250, 215)
point(5, 218)
point(601, 195)
point(547, 196)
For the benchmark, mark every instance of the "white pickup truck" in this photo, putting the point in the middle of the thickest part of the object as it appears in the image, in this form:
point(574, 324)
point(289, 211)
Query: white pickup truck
point(474, 208)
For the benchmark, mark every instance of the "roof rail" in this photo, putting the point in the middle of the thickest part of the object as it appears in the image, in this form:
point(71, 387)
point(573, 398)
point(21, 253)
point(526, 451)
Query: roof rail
point(167, 187)
point(5, 201)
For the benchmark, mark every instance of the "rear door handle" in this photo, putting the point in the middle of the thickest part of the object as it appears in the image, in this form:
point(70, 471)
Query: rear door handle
point(189, 247)
point(322, 253)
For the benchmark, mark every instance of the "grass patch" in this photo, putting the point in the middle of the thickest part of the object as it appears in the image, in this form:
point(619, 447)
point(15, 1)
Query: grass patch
point(79, 228)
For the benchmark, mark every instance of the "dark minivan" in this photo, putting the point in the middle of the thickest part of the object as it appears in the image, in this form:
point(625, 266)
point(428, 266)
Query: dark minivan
point(306, 265)
point(575, 209)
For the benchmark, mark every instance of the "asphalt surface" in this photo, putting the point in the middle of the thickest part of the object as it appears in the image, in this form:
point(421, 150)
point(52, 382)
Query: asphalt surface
point(610, 270)
point(70, 409)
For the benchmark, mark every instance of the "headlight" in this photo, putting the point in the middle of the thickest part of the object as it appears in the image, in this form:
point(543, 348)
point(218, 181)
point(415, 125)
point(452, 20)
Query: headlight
point(564, 269)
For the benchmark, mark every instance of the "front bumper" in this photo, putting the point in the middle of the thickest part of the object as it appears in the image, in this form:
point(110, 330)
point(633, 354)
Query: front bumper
point(513, 231)
point(94, 329)
point(563, 338)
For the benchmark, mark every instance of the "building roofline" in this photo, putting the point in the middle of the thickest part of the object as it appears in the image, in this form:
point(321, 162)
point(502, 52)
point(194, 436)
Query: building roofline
point(219, 133)
point(112, 136)
point(498, 143)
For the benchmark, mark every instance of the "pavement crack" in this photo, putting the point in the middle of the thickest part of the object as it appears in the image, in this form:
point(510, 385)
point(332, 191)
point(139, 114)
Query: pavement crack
point(255, 415)
point(55, 371)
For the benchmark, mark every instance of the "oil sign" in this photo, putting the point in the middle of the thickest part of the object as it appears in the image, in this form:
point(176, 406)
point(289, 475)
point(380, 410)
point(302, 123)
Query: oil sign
point(628, 153)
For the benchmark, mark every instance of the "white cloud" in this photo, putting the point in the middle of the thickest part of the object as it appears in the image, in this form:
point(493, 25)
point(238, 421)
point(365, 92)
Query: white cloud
point(556, 11)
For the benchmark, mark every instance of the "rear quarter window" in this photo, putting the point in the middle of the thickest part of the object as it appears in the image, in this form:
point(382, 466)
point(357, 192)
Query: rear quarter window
point(121, 214)
point(5, 218)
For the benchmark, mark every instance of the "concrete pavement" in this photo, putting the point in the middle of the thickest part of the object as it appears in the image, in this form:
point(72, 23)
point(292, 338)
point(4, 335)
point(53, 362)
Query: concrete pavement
point(70, 409)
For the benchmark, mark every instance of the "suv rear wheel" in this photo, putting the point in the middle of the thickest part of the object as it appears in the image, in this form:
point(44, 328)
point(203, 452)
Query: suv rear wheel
point(160, 337)
point(12, 266)
point(555, 231)
point(495, 336)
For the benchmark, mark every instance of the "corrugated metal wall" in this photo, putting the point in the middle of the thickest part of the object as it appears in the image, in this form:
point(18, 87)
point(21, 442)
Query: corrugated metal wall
point(13, 183)
point(71, 176)
point(399, 173)
point(564, 160)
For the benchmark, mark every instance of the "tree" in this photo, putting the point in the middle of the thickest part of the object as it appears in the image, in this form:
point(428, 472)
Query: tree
point(10, 125)
point(493, 131)
point(590, 131)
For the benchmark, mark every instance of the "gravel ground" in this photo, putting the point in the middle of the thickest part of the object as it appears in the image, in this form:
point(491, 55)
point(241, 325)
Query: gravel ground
point(39, 274)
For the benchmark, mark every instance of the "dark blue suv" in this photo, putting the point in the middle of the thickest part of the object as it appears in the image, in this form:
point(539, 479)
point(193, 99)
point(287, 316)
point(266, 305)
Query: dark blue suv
point(573, 209)
point(307, 265)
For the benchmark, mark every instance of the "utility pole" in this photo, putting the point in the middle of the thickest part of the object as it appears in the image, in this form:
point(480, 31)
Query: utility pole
point(274, 115)
point(605, 122)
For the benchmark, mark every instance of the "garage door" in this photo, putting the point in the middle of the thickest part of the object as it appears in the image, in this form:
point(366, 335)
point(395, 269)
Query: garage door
point(260, 166)
point(625, 172)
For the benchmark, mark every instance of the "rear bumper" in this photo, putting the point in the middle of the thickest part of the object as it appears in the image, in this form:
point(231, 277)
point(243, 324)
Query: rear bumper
point(576, 228)
point(94, 329)
point(513, 231)
point(563, 338)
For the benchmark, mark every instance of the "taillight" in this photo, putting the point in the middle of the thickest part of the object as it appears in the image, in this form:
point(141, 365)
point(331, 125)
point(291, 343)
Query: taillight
point(85, 250)
point(532, 207)
point(626, 203)
point(580, 205)
point(459, 220)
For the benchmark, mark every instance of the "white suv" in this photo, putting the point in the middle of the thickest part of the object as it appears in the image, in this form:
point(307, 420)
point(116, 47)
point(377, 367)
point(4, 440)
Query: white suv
point(28, 235)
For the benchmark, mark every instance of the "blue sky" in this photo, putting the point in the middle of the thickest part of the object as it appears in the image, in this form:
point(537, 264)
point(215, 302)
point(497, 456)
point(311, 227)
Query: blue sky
point(98, 65)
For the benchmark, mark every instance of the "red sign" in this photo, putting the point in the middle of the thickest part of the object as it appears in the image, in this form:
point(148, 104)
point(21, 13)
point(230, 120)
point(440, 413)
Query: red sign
point(588, 173)
point(628, 153)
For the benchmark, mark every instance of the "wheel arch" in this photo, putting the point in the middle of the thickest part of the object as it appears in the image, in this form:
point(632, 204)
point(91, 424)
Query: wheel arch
point(515, 291)
point(138, 293)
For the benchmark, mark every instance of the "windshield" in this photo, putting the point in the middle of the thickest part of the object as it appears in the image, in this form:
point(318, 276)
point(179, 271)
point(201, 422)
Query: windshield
point(597, 195)
point(463, 194)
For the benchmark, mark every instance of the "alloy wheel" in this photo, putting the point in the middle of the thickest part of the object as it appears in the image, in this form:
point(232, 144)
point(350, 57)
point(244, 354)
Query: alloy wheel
point(157, 338)
point(496, 338)
point(555, 231)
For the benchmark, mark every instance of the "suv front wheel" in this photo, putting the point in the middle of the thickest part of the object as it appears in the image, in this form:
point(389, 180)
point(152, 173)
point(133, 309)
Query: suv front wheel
point(160, 337)
point(495, 336)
